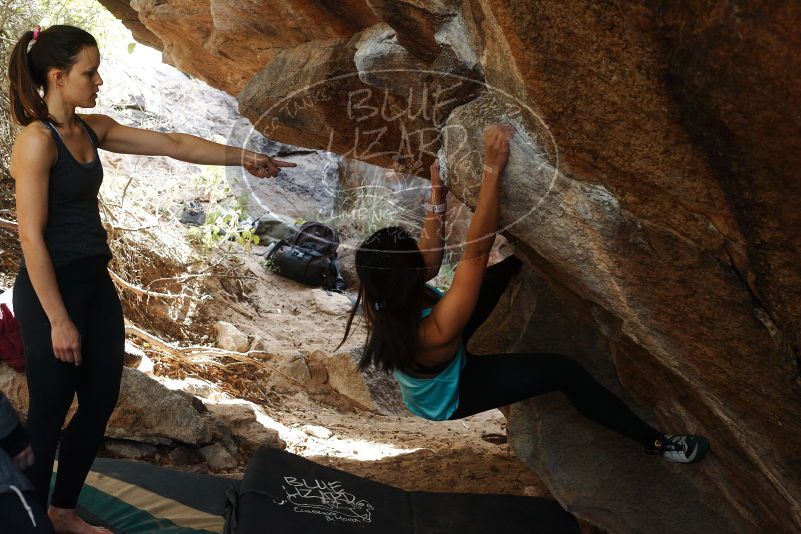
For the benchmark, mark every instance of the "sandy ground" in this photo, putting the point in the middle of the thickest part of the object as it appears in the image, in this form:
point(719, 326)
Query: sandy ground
point(469, 455)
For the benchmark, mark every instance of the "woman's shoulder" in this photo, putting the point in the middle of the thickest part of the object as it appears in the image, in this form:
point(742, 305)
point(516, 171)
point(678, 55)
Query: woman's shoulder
point(92, 118)
point(98, 122)
point(34, 141)
point(34, 132)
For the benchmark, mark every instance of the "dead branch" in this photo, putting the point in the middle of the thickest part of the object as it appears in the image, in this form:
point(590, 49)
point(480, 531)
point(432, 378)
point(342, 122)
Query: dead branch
point(196, 351)
point(141, 291)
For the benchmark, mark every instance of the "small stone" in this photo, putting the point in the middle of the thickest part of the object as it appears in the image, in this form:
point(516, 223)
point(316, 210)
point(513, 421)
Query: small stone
point(330, 302)
point(258, 250)
point(316, 431)
point(218, 458)
point(129, 449)
point(229, 337)
point(184, 456)
point(198, 388)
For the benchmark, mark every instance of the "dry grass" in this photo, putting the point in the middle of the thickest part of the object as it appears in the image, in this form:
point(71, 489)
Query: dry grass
point(16, 17)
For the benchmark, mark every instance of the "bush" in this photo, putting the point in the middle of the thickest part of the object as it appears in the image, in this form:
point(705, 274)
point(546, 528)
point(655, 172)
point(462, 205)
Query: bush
point(226, 218)
point(16, 17)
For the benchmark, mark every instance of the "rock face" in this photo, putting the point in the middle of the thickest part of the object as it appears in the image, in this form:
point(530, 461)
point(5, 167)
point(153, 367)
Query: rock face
point(369, 389)
point(146, 411)
point(336, 380)
point(248, 432)
point(564, 447)
point(148, 414)
point(652, 189)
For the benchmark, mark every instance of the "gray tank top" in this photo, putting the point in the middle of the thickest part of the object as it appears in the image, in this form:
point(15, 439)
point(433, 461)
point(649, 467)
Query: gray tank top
point(73, 229)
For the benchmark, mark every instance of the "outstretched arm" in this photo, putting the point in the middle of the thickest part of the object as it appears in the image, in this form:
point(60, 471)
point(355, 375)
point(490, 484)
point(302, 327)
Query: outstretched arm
point(115, 137)
point(453, 311)
point(431, 241)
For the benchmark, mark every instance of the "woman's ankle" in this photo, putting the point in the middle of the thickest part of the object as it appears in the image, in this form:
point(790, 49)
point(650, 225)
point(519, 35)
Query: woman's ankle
point(61, 512)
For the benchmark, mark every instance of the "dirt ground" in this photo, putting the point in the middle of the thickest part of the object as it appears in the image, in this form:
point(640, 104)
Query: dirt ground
point(468, 456)
point(282, 318)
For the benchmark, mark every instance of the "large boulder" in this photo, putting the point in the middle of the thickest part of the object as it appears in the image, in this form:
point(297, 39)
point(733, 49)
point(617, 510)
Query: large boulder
point(312, 96)
point(225, 43)
point(660, 295)
point(149, 414)
point(369, 389)
point(146, 410)
point(241, 419)
point(550, 436)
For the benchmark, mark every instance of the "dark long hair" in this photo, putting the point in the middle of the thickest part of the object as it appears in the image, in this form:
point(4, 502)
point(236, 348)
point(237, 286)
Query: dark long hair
point(56, 47)
point(390, 268)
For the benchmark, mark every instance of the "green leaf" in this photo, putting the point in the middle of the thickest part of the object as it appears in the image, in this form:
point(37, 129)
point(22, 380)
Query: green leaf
point(131, 47)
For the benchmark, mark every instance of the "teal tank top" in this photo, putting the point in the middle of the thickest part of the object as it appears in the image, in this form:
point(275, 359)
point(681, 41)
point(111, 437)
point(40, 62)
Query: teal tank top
point(434, 398)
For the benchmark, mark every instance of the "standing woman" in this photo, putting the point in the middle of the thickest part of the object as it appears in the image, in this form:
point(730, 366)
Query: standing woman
point(67, 307)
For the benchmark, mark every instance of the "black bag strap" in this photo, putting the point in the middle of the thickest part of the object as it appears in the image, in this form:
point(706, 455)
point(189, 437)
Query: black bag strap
point(278, 245)
point(306, 250)
point(333, 279)
point(310, 251)
point(332, 239)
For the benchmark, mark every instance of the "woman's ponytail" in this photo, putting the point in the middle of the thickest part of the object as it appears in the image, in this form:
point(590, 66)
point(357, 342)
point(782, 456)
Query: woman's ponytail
point(27, 105)
point(57, 47)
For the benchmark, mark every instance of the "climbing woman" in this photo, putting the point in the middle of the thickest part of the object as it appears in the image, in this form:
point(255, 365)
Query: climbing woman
point(420, 333)
point(66, 304)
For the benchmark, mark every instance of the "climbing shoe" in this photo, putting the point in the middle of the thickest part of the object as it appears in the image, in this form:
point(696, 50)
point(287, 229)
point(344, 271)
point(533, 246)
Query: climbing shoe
point(680, 448)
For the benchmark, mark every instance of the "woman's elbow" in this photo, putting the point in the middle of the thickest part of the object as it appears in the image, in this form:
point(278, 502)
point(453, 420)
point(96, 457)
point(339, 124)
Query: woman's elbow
point(30, 237)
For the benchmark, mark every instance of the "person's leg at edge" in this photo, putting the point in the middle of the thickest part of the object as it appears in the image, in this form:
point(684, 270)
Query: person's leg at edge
point(51, 382)
point(98, 390)
point(22, 514)
point(493, 381)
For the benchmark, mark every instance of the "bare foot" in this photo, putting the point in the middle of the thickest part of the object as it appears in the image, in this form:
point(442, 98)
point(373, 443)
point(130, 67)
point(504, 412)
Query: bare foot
point(66, 521)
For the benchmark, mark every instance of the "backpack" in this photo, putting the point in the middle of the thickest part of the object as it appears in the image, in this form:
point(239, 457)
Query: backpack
point(10, 341)
point(309, 257)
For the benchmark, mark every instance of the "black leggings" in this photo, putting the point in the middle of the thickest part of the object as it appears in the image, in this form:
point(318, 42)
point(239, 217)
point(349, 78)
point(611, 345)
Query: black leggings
point(18, 519)
point(496, 380)
point(92, 303)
